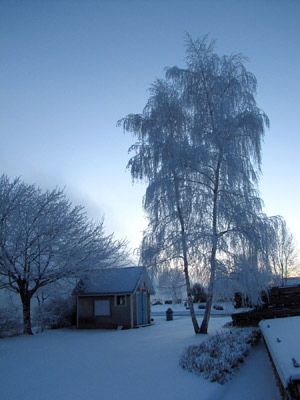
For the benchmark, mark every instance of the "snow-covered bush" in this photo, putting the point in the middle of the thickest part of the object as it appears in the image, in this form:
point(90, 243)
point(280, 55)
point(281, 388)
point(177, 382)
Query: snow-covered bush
point(57, 312)
point(218, 358)
point(10, 322)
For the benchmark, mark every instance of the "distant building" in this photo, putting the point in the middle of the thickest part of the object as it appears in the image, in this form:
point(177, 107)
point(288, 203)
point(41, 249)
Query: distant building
point(112, 298)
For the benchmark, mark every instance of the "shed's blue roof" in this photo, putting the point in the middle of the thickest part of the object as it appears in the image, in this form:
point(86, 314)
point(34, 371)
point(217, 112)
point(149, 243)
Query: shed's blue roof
point(115, 280)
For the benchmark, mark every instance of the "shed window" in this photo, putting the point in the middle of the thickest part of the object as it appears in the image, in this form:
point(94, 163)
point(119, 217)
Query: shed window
point(102, 307)
point(121, 300)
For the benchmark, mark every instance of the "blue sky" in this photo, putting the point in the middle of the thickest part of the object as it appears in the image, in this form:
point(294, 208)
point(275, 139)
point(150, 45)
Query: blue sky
point(70, 69)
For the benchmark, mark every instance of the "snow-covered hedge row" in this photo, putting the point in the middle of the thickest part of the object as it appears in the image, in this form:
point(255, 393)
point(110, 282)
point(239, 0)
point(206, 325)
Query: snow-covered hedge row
point(218, 357)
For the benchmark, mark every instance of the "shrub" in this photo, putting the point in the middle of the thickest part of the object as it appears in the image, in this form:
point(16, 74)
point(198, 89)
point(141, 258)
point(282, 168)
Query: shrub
point(157, 303)
point(219, 357)
point(10, 322)
point(241, 300)
point(198, 293)
point(219, 308)
point(57, 312)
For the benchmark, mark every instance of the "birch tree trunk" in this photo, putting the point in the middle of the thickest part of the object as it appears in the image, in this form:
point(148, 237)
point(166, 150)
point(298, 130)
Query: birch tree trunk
point(185, 259)
point(205, 321)
point(213, 261)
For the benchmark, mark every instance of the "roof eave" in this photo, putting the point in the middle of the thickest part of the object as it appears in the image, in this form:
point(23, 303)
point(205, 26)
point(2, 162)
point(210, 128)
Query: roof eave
point(103, 294)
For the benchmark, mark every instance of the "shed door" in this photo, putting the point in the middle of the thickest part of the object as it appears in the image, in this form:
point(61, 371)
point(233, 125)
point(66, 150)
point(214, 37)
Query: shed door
point(141, 300)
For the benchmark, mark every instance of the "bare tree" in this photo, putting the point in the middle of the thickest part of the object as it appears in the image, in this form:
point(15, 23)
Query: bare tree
point(44, 239)
point(171, 282)
point(284, 256)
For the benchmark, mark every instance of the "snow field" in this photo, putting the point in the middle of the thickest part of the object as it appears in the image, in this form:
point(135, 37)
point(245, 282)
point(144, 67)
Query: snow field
point(134, 364)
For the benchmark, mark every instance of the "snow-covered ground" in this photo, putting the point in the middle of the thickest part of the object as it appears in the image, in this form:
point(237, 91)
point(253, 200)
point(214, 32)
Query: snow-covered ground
point(283, 340)
point(118, 365)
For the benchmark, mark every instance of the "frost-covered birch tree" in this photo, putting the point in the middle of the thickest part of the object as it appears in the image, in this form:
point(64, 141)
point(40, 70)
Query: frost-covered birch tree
point(44, 239)
point(226, 136)
point(199, 149)
point(162, 133)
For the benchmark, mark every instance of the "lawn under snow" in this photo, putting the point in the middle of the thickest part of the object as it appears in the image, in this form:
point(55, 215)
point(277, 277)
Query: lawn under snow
point(131, 364)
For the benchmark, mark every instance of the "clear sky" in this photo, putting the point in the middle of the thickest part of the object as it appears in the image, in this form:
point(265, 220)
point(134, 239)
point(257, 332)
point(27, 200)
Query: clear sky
point(70, 69)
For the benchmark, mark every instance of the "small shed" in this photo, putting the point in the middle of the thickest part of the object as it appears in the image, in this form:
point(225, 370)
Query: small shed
point(112, 298)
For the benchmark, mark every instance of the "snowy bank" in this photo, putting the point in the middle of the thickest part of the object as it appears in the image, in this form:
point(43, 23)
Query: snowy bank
point(283, 341)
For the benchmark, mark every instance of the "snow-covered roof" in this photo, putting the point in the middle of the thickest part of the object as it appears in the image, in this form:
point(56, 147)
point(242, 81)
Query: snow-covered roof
point(282, 338)
point(115, 280)
point(293, 281)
